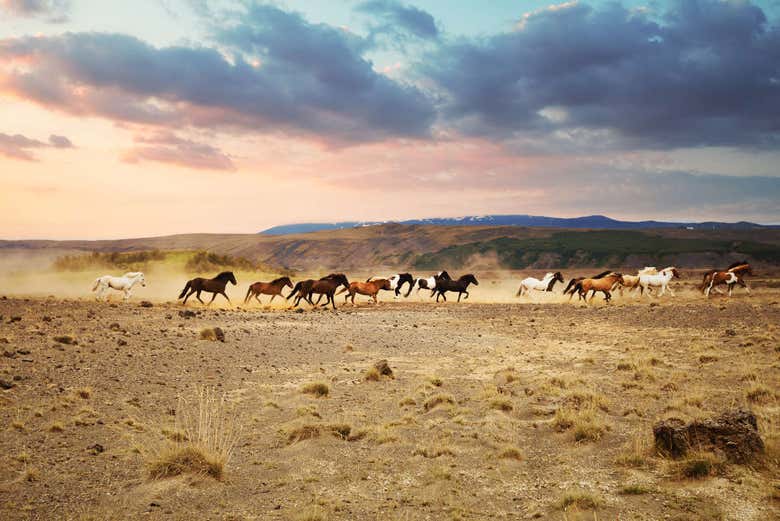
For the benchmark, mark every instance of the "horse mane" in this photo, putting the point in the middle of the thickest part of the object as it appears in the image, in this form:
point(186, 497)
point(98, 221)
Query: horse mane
point(602, 274)
point(224, 275)
point(132, 274)
point(280, 279)
point(551, 283)
point(735, 264)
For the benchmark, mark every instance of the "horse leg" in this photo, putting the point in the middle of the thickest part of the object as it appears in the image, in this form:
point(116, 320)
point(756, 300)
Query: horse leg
point(459, 295)
point(272, 298)
point(188, 295)
point(228, 298)
point(332, 300)
point(197, 296)
point(467, 295)
point(731, 286)
point(213, 296)
point(257, 298)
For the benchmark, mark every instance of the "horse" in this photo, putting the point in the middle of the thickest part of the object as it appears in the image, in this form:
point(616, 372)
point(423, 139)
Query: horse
point(397, 282)
point(723, 277)
point(571, 286)
point(631, 282)
point(370, 288)
point(216, 286)
point(272, 288)
point(124, 283)
point(660, 279)
point(605, 284)
point(740, 269)
point(430, 282)
point(326, 286)
point(546, 284)
point(460, 285)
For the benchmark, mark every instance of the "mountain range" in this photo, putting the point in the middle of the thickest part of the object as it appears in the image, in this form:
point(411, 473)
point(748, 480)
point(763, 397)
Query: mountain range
point(597, 222)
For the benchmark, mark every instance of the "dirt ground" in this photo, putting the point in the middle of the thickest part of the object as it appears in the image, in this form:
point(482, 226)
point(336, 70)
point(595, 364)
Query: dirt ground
point(472, 425)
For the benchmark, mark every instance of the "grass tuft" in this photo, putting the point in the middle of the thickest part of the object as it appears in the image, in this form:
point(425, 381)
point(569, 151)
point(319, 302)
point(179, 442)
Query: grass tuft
point(438, 399)
point(318, 389)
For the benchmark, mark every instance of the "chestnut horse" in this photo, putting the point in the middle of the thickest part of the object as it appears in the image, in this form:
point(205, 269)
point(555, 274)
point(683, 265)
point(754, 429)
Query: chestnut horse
point(631, 282)
point(215, 286)
point(370, 288)
point(603, 284)
point(397, 282)
point(460, 285)
point(571, 288)
point(272, 288)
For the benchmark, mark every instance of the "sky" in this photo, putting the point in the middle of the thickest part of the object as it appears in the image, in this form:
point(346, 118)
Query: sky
point(131, 119)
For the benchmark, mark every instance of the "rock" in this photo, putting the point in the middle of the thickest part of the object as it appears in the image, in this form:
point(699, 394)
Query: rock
point(219, 334)
point(121, 342)
point(383, 368)
point(15, 319)
point(65, 339)
point(734, 433)
point(23, 351)
point(5, 384)
point(114, 326)
point(145, 304)
point(3, 340)
point(96, 449)
point(187, 314)
point(213, 334)
point(9, 353)
point(730, 332)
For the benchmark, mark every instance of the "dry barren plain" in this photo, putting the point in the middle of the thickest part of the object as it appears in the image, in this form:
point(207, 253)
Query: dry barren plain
point(528, 410)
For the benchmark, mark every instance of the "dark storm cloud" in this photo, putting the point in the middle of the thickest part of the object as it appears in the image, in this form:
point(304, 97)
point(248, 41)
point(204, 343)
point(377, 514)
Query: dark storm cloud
point(283, 74)
point(398, 20)
point(169, 148)
point(52, 10)
point(704, 73)
point(17, 146)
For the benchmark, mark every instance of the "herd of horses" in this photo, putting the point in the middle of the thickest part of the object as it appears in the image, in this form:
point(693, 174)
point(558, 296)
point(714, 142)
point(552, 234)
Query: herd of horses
point(646, 280)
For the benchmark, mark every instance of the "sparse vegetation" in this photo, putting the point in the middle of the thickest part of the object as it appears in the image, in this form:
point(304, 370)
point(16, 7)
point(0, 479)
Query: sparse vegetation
point(129, 261)
point(438, 399)
point(580, 499)
point(318, 389)
point(698, 465)
point(759, 393)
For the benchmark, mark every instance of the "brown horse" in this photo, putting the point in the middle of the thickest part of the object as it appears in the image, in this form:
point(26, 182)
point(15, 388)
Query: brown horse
point(272, 288)
point(604, 284)
point(714, 278)
point(215, 286)
point(327, 286)
point(370, 288)
point(460, 286)
point(571, 288)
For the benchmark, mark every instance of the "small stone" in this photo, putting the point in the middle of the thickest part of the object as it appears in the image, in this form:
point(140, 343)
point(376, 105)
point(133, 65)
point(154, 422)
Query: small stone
point(145, 304)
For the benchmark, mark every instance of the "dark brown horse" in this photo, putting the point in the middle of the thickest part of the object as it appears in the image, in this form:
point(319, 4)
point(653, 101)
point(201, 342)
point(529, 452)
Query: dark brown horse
point(460, 285)
point(272, 288)
point(327, 286)
point(215, 286)
point(370, 288)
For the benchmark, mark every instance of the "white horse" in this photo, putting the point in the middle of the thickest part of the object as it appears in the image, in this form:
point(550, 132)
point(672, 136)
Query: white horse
point(546, 284)
point(659, 280)
point(124, 283)
point(430, 282)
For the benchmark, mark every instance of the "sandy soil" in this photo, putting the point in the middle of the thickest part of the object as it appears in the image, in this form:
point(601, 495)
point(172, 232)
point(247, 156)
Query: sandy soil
point(466, 429)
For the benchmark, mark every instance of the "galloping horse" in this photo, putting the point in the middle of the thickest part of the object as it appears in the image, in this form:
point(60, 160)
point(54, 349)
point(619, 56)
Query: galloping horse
point(397, 282)
point(432, 281)
point(327, 286)
point(272, 288)
point(660, 279)
point(546, 284)
point(216, 286)
point(631, 282)
point(571, 287)
point(713, 278)
point(124, 283)
point(370, 288)
point(460, 285)
point(605, 284)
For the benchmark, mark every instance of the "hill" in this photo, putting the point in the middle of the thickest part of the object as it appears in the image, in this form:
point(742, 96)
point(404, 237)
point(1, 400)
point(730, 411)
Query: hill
point(397, 246)
point(589, 222)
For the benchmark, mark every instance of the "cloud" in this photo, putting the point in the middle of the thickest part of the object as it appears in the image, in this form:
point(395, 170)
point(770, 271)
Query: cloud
point(55, 11)
point(702, 73)
point(274, 73)
point(399, 20)
point(169, 148)
point(21, 147)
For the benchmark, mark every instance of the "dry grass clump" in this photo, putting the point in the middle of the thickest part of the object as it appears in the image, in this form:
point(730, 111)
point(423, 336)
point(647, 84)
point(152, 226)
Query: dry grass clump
point(580, 499)
point(587, 399)
point(84, 392)
point(313, 513)
point(30, 475)
point(407, 401)
point(585, 424)
point(441, 448)
point(372, 375)
point(635, 454)
point(699, 465)
point(308, 431)
point(759, 393)
point(626, 366)
point(318, 389)
point(501, 404)
point(206, 432)
point(56, 427)
point(511, 452)
point(438, 399)
point(435, 381)
point(212, 334)
point(635, 489)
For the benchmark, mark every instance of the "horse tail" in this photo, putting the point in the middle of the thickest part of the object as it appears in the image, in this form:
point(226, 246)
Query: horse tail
point(96, 284)
point(519, 291)
point(295, 289)
point(248, 292)
point(184, 291)
point(340, 291)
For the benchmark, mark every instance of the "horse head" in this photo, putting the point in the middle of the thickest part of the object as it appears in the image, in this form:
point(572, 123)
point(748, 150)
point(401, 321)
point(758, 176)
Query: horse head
point(287, 281)
point(469, 279)
point(141, 279)
point(442, 275)
point(227, 276)
point(673, 271)
point(386, 284)
point(558, 276)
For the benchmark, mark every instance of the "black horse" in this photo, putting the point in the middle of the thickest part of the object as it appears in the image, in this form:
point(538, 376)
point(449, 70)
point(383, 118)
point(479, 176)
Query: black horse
point(215, 286)
point(460, 285)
